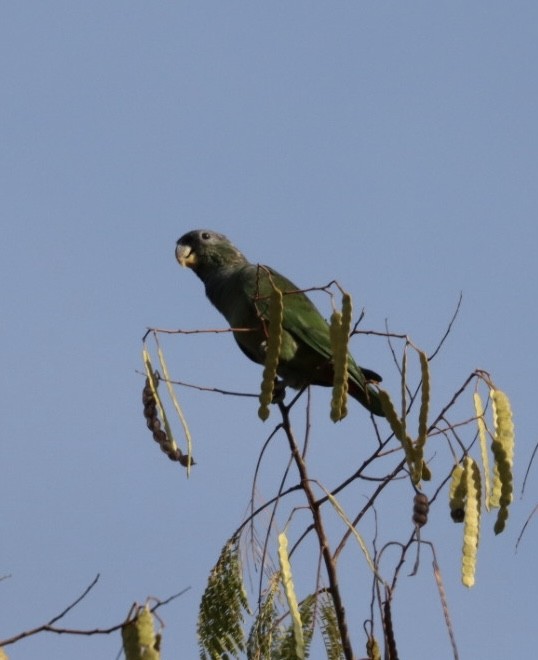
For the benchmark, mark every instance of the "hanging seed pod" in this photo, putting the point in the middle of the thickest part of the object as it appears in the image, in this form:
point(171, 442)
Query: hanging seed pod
point(482, 436)
point(426, 472)
point(372, 649)
point(392, 651)
point(418, 471)
point(421, 508)
point(471, 529)
point(397, 427)
point(339, 353)
point(457, 494)
point(154, 424)
point(139, 638)
point(503, 452)
point(272, 356)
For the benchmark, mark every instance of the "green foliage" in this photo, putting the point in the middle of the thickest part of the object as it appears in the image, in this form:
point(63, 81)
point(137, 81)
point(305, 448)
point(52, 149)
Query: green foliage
point(329, 629)
point(220, 619)
point(263, 631)
point(284, 645)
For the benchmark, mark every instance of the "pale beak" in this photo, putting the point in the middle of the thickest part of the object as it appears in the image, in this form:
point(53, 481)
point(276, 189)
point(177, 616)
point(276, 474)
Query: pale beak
point(186, 256)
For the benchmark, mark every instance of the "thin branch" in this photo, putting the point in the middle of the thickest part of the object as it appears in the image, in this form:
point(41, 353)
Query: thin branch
point(75, 602)
point(525, 526)
point(452, 401)
point(178, 331)
point(528, 469)
point(202, 388)
point(49, 627)
point(444, 603)
point(449, 328)
point(388, 479)
point(330, 564)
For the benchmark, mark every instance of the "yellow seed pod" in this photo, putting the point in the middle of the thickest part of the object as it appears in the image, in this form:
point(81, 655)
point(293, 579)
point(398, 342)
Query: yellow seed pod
point(274, 342)
point(372, 649)
point(403, 390)
point(291, 597)
point(495, 495)
point(139, 640)
point(457, 494)
point(335, 331)
point(482, 435)
point(503, 422)
point(418, 470)
point(503, 453)
point(418, 466)
point(425, 400)
point(426, 472)
point(397, 426)
point(339, 333)
point(391, 415)
point(471, 529)
point(347, 313)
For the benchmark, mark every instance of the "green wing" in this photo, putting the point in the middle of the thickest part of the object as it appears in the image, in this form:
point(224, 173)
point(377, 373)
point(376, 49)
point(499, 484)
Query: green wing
point(307, 343)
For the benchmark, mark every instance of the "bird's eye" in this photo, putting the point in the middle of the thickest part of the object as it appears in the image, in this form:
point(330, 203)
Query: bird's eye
point(206, 235)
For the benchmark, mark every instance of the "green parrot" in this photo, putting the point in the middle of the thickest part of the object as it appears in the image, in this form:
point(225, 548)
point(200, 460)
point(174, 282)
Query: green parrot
point(240, 291)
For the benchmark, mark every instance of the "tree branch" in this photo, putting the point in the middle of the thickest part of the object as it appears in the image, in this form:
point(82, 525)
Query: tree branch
point(330, 563)
point(50, 627)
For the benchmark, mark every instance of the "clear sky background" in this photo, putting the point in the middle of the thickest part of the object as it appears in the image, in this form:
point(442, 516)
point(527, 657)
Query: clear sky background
point(390, 145)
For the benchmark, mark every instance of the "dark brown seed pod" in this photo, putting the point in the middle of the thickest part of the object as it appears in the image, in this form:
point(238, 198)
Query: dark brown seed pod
point(150, 412)
point(184, 460)
point(457, 515)
point(160, 437)
point(147, 395)
point(421, 508)
point(154, 424)
point(392, 651)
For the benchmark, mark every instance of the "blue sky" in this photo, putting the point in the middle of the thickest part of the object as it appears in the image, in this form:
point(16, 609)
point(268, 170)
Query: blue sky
point(392, 146)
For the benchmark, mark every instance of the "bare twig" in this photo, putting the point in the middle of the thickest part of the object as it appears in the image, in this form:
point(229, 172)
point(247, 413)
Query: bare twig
point(178, 331)
point(444, 603)
point(50, 627)
point(201, 388)
point(528, 468)
point(449, 328)
point(75, 602)
point(525, 526)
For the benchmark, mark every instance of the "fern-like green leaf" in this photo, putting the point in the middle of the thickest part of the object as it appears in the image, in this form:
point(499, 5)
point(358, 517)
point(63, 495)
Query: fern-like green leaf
point(286, 646)
point(220, 619)
point(264, 631)
point(329, 629)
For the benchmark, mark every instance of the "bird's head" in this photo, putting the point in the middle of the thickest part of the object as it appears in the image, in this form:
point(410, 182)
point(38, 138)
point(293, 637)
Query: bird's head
point(206, 251)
